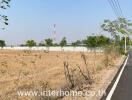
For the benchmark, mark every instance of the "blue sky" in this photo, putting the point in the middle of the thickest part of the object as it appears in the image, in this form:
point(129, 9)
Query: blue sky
point(74, 19)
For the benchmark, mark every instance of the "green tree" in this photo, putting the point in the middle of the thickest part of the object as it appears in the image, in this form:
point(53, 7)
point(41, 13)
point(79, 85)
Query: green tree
point(2, 43)
point(90, 41)
point(48, 42)
point(96, 41)
point(102, 41)
point(110, 26)
point(120, 26)
point(30, 43)
point(125, 29)
point(63, 42)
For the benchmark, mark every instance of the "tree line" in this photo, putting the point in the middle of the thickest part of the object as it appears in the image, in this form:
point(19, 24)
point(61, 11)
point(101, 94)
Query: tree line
point(89, 41)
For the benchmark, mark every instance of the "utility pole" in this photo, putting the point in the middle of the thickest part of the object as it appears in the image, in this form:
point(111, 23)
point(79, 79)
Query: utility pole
point(125, 45)
point(54, 34)
point(126, 35)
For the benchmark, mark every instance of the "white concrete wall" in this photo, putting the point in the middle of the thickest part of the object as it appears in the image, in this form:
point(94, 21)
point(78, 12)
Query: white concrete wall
point(83, 49)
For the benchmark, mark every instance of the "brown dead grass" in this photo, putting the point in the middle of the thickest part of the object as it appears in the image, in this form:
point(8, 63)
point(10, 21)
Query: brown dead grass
point(22, 70)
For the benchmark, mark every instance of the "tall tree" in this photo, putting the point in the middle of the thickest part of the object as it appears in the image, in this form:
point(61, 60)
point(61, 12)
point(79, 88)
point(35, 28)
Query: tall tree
point(2, 43)
point(30, 43)
point(120, 26)
point(90, 41)
point(102, 41)
point(48, 42)
point(110, 26)
point(96, 41)
point(63, 42)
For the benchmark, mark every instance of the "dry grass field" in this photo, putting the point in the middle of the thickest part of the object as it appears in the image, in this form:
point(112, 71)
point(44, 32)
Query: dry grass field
point(39, 70)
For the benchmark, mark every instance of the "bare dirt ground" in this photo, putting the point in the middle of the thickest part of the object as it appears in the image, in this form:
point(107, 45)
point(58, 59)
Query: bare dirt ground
point(38, 70)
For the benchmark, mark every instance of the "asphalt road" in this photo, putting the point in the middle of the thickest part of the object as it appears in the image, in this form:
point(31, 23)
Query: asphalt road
point(123, 90)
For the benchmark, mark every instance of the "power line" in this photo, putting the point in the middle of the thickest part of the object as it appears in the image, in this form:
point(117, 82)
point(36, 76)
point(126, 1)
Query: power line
point(120, 7)
point(113, 8)
point(115, 5)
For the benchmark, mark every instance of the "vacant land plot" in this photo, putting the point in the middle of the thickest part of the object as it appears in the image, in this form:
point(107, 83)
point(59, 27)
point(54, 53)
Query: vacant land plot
point(39, 70)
